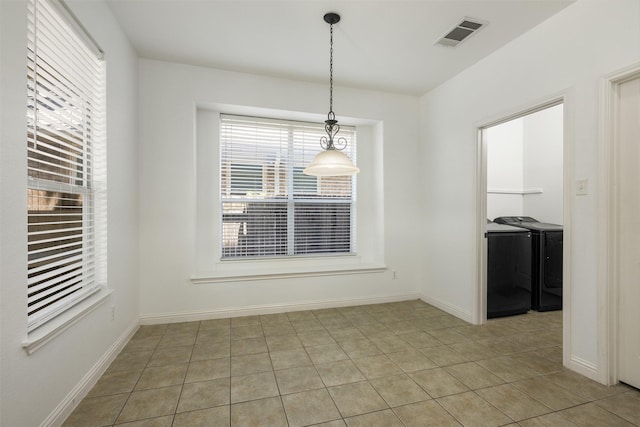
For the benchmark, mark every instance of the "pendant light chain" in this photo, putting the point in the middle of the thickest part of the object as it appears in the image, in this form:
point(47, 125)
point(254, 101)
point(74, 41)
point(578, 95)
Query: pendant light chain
point(331, 71)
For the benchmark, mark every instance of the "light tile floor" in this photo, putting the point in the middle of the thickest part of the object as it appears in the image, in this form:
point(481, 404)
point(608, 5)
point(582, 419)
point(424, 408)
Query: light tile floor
point(396, 364)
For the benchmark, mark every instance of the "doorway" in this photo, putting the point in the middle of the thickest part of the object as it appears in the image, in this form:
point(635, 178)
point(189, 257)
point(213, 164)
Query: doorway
point(521, 176)
point(623, 261)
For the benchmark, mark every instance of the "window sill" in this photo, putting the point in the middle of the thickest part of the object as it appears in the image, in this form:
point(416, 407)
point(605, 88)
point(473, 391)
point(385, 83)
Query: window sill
point(268, 275)
point(41, 336)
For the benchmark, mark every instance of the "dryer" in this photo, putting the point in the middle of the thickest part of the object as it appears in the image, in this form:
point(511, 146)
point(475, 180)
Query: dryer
point(508, 270)
point(546, 262)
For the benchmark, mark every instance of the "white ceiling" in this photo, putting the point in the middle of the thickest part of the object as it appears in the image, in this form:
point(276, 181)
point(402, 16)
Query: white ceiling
point(381, 45)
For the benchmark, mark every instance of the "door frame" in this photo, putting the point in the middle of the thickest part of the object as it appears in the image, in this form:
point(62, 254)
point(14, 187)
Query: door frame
point(609, 206)
point(480, 290)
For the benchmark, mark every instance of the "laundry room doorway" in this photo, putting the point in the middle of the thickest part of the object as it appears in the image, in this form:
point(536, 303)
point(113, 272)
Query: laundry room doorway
point(521, 201)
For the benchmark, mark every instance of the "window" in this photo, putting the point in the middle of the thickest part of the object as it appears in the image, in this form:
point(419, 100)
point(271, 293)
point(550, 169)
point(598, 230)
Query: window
point(269, 208)
point(65, 165)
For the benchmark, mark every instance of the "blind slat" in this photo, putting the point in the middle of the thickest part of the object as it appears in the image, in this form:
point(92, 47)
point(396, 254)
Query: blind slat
point(56, 264)
point(60, 275)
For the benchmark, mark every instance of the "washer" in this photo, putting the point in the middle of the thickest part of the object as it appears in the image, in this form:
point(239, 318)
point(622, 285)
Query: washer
point(508, 270)
point(546, 261)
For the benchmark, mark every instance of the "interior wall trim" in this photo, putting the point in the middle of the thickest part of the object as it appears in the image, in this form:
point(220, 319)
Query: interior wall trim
point(449, 308)
point(222, 278)
point(608, 227)
point(75, 396)
point(584, 367)
point(160, 318)
point(56, 326)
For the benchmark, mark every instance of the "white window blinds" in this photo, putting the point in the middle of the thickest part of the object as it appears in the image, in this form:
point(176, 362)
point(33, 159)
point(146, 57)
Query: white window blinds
point(268, 206)
point(66, 165)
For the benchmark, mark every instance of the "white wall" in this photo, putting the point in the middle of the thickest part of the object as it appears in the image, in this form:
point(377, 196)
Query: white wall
point(548, 60)
point(176, 166)
point(524, 166)
point(542, 136)
point(505, 169)
point(37, 389)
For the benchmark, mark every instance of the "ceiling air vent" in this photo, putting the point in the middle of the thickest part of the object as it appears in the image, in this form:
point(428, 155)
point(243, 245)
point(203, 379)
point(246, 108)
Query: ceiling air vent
point(461, 32)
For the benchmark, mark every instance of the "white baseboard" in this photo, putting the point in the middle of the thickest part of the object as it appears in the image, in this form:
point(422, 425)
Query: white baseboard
point(153, 319)
point(449, 308)
point(583, 367)
point(71, 401)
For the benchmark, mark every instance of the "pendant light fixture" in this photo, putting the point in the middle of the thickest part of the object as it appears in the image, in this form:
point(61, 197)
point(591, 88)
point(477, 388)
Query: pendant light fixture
point(331, 161)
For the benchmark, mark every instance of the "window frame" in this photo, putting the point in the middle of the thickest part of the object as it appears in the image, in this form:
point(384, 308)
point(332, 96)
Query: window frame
point(55, 39)
point(292, 198)
point(206, 267)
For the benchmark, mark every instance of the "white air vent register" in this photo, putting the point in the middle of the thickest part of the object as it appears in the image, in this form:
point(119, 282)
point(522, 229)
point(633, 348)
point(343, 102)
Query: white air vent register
point(461, 32)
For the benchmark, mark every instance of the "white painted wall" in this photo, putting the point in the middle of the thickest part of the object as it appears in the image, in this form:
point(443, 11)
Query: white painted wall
point(539, 65)
point(35, 388)
point(525, 155)
point(505, 169)
point(178, 186)
point(542, 168)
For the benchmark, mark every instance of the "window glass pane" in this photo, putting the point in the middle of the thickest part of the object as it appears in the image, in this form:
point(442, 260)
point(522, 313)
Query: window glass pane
point(55, 236)
point(304, 185)
point(322, 228)
point(55, 156)
point(254, 229)
point(246, 179)
point(336, 186)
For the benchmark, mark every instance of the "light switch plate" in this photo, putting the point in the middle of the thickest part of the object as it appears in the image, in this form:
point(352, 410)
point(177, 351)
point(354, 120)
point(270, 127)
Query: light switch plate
point(582, 187)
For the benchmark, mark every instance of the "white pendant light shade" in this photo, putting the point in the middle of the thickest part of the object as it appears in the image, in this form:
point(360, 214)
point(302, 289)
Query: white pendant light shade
point(331, 163)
